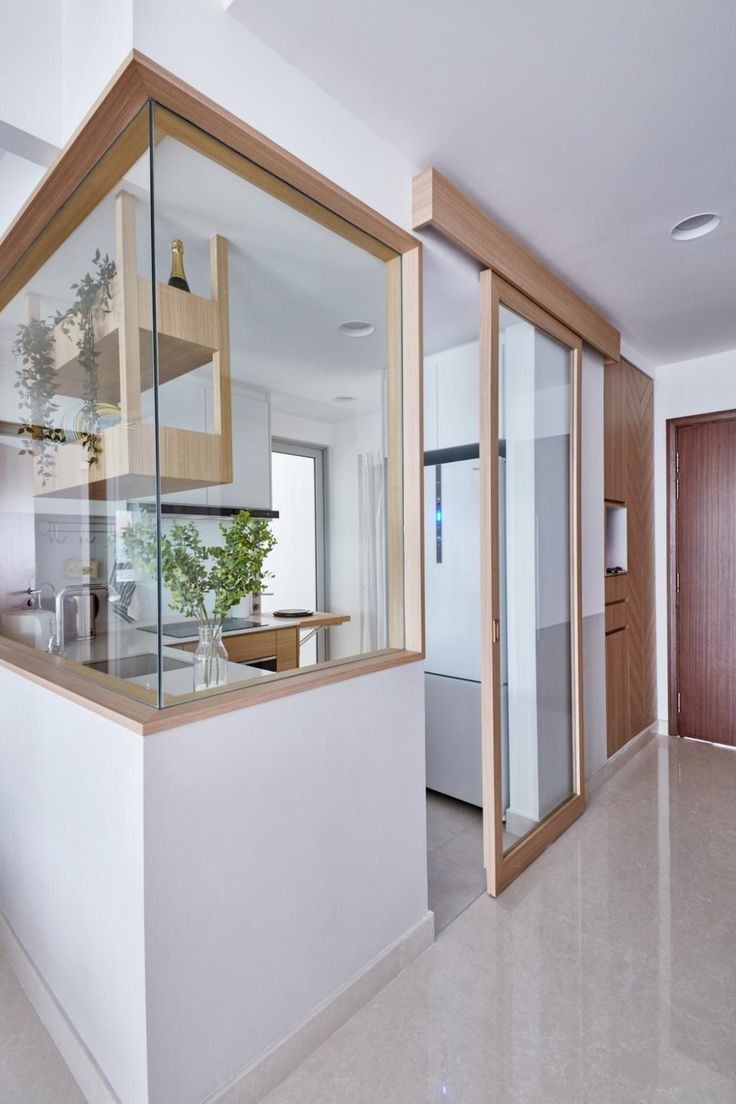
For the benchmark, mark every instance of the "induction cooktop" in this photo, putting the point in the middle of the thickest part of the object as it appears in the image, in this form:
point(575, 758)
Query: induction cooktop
point(191, 628)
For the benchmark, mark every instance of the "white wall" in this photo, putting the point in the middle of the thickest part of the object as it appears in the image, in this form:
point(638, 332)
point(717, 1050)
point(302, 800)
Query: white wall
point(71, 868)
point(200, 42)
point(284, 850)
point(95, 41)
point(31, 70)
point(698, 386)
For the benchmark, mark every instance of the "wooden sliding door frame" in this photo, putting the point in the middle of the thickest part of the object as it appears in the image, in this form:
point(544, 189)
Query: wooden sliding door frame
point(515, 276)
point(502, 868)
point(673, 645)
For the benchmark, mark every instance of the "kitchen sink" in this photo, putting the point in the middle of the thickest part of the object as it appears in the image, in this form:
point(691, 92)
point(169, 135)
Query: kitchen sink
point(129, 667)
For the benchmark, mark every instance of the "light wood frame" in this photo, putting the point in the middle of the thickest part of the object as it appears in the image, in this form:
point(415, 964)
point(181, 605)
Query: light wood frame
point(113, 136)
point(438, 204)
point(502, 868)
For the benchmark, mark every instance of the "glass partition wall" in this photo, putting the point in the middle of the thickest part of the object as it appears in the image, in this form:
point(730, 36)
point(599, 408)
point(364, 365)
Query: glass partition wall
point(193, 309)
point(533, 726)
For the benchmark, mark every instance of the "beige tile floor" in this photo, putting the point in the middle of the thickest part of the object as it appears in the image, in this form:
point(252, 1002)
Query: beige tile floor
point(31, 1069)
point(606, 974)
point(455, 870)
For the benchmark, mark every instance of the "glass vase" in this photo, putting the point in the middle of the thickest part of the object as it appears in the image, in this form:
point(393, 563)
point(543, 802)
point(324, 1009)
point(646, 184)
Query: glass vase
point(210, 658)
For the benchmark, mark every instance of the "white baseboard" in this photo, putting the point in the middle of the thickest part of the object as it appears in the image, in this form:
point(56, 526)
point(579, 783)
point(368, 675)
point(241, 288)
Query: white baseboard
point(84, 1069)
point(281, 1059)
point(270, 1067)
point(620, 758)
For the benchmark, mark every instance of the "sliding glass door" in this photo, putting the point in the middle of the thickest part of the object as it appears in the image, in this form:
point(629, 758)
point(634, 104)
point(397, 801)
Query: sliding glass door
point(531, 635)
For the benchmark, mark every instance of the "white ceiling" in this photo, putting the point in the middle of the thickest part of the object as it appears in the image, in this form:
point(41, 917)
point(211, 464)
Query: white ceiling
point(586, 127)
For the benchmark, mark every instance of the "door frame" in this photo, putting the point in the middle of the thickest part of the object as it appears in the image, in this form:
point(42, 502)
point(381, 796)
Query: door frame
point(673, 645)
point(502, 867)
point(318, 453)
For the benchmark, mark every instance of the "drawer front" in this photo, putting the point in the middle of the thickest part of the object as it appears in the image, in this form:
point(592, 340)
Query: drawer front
point(245, 647)
point(257, 645)
point(617, 587)
point(242, 647)
point(617, 616)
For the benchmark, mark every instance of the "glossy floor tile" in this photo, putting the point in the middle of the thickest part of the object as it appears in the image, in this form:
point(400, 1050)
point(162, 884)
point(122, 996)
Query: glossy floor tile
point(606, 974)
point(455, 870)
point(31, 1069)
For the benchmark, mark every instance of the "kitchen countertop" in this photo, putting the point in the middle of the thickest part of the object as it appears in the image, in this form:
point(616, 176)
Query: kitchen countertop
point(119, 640)
point(116, 639)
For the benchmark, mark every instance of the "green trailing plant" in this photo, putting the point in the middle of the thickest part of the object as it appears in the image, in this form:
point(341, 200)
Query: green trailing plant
point(36, 379)
point(92, 293)
point(205, 582)
point(36, 383)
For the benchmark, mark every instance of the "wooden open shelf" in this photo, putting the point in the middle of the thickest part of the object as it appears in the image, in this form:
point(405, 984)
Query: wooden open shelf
point(192, 331)
point(188, 338)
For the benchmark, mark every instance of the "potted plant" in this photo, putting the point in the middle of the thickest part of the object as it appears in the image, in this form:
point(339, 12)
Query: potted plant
point(205, 582)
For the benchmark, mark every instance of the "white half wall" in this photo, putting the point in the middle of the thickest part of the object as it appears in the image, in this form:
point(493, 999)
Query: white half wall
point(698, 386)
point(71, 868)
point(285, 848)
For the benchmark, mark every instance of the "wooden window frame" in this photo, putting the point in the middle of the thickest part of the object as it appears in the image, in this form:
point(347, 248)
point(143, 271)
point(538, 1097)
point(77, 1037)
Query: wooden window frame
point(111, 138)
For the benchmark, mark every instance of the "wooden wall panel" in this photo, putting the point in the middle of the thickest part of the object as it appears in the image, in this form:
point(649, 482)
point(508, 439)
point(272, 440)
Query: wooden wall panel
point(614, 432)
point(640, 498)
point(629, 478)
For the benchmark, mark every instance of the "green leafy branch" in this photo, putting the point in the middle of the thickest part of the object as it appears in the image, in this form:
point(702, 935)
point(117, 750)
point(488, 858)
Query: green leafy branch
point(205, 581)
point(93, 294)
point(36, 384)
point(36, 377)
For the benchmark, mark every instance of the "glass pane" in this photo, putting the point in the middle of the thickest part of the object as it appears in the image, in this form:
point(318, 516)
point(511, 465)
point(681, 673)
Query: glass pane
point(452, 554)
point(535, 418)
point(275, 319)
point(77, 447)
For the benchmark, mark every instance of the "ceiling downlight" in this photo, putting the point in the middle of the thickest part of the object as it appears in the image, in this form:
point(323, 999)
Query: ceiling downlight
point(356, 328)
point(696, 226)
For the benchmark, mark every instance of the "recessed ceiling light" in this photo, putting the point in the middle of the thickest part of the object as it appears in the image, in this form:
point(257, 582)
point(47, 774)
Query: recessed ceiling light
point(695, 226)
point(344, 398)
point(356, 328)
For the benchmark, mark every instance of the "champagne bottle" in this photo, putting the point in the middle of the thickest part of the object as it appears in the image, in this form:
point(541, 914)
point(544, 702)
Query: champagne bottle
point(178, 278)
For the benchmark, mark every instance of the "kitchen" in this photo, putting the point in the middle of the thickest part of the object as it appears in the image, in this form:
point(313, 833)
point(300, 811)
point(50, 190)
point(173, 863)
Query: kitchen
point(272, 398)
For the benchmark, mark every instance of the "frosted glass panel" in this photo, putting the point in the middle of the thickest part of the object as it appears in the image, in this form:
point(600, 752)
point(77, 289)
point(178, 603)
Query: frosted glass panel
point(535, 419)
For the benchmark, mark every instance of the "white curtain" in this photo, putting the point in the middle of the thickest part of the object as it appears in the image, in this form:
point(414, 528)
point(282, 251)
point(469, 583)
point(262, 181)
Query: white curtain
point(372, 550)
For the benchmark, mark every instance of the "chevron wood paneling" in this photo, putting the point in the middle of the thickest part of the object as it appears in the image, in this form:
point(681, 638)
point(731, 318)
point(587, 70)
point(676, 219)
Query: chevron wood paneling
point(640, 494)
point(629, 478)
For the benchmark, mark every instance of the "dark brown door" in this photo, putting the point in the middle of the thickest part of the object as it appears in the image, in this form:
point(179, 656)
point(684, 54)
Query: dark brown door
point(705, 578)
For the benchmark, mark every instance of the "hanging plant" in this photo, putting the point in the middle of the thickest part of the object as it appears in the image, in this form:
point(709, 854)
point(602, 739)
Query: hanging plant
point(36, 384)
point(36, 379)
point(92, 293)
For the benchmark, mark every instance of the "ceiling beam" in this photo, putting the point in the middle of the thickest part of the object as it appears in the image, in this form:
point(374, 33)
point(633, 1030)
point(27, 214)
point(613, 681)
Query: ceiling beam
point(26, 145)
point(438, 204)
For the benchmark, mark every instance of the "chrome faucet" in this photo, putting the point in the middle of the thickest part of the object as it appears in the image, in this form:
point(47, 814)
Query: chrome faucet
point(58, 640)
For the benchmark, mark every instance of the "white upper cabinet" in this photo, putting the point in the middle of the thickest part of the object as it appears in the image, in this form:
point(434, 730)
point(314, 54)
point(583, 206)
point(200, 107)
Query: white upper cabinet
point(251, 485)
point(451, 397)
